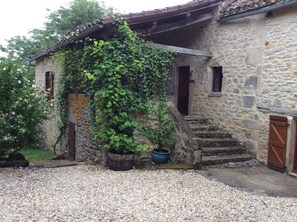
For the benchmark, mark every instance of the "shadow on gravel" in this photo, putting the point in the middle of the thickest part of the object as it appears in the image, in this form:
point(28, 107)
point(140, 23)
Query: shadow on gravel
point(258, 180)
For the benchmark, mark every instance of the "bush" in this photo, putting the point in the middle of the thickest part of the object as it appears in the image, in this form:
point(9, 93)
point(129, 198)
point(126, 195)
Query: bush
point(162, 128)
point(22, 108)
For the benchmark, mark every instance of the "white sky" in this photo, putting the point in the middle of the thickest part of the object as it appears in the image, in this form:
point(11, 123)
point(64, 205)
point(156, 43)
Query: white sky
point(17, 17)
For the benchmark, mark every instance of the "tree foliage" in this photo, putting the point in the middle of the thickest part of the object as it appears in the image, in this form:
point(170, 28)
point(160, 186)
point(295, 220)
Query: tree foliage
point(59, 23)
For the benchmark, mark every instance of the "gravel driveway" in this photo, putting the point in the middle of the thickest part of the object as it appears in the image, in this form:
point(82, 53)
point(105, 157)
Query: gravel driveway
point(87, 193)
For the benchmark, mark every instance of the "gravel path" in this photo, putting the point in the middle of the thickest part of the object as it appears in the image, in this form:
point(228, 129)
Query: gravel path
point(87, 193)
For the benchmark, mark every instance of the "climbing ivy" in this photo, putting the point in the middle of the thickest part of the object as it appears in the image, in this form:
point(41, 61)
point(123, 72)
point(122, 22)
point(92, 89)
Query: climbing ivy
point(121, 75)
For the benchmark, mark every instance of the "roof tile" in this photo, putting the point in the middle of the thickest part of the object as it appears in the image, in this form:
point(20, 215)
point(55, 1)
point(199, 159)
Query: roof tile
point(231, 7)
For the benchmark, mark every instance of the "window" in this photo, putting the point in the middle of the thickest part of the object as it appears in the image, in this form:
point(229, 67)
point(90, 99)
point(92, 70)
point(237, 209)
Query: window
point(217, 79)
point(49, 85)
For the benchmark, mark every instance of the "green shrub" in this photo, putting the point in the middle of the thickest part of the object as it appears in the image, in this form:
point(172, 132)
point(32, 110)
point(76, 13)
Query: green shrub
point(22, 108)
point(162, 127)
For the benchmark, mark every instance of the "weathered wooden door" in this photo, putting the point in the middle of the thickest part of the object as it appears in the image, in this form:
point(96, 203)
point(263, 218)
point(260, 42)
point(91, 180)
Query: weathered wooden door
point(295, 159)
point(71, 141)
point(277, 143)
point(183, 90)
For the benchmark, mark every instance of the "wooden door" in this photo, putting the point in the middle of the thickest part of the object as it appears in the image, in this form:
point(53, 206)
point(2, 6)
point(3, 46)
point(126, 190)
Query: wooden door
point(277, 143)
point(183, 90)
point(71, 141)
point(295, 159)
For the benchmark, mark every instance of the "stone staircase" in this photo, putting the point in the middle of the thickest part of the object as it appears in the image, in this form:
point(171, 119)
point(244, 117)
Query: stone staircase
point(218, 146)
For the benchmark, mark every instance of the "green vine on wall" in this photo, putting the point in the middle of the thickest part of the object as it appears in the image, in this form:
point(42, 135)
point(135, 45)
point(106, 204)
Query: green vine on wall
point(120, 75)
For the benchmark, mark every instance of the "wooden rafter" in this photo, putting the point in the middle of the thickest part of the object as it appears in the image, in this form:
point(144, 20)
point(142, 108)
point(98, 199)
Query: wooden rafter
point(181, 50)
point(180, 24)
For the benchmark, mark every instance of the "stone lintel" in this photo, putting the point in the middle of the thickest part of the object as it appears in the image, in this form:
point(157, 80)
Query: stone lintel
point(281, 111)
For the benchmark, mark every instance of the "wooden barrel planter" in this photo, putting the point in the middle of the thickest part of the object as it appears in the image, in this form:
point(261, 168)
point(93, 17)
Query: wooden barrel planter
point(120, 162)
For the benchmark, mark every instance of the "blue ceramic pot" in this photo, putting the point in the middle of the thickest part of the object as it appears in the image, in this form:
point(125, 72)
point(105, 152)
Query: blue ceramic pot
point(160, 157)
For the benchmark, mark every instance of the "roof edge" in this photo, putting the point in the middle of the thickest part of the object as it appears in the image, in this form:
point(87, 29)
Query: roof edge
point(131, 18)
point(257, 11)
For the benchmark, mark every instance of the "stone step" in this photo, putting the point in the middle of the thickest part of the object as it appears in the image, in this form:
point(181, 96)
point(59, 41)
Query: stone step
point(203, 127)
point(214, 160)
point(223, 151)
point(196, 120)
point(214, 142)
point(212, 134)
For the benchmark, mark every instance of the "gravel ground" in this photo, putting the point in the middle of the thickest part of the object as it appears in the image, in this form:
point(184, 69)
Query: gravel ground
point(88, 193)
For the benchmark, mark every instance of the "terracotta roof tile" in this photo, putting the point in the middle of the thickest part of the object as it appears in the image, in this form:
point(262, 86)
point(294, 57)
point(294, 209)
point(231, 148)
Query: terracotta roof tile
point(230, 7)
point(147, 15)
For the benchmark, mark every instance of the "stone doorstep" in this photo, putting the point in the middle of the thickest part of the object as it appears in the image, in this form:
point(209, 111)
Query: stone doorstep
point(195, 118)
point(166, 166)
point(54, 164)
point(203, 127)
point(221, 151)
point(213, 160)
point(214, 142)
point(212, 134)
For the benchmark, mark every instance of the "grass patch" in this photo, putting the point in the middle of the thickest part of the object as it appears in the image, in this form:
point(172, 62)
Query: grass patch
point(34, 155)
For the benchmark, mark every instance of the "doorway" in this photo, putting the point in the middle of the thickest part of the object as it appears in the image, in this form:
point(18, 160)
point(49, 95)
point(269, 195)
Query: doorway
point(71, 141)
point(183, 90)
point(295, 154)
point(277, 143)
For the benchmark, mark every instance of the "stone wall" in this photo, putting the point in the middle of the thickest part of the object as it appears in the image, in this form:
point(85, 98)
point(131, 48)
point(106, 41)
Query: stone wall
point(86, 147)
point(50, 129)
point(259, 59)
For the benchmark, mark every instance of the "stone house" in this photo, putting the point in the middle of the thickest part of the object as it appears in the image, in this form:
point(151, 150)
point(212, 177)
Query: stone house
point(236, 66)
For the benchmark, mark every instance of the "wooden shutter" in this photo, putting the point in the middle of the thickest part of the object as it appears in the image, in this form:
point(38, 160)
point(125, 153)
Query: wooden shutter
point(49, 84)
point(277, 143)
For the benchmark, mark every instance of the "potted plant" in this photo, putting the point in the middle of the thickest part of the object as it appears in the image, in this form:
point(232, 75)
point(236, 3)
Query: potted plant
point(117, 136)
point(160, 132)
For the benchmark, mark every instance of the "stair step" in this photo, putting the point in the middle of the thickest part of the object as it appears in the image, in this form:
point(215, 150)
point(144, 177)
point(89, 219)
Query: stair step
point(203, 127)
point(213, 160)
point(223, 151)
point(196, 119)
point(212, 134)
point(214, 142)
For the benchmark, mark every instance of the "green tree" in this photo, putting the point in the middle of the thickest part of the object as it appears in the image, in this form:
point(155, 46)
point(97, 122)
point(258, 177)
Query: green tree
point(59, 23)
point(79, 14)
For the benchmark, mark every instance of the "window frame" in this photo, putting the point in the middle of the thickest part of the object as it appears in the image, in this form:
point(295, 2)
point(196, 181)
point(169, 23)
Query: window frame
point(217, 79)
point(49, 84)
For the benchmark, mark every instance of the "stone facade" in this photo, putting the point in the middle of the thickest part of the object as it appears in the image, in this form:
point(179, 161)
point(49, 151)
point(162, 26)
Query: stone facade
point(50, 128)
point(258, 56)
point(86, 148)
point(259, 59)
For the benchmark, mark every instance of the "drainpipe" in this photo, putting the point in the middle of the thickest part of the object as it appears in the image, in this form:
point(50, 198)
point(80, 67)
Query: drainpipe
point(258, 11)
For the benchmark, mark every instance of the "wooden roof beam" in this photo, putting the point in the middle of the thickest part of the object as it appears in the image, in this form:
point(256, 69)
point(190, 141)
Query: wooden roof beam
point(181, 24)
point(181, 50)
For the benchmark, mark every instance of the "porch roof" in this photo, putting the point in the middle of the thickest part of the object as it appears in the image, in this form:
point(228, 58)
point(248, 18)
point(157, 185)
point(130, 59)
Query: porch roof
point(152, 22)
